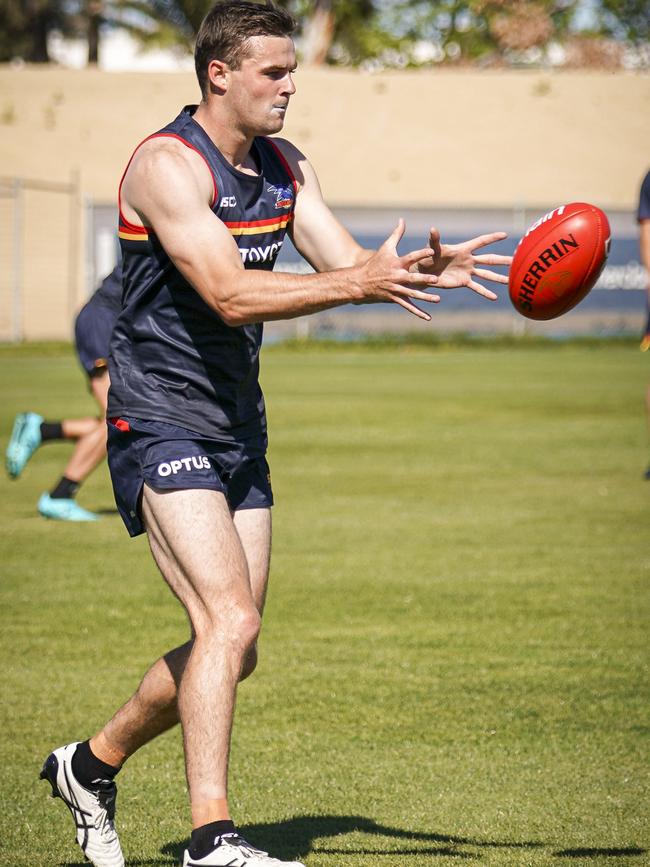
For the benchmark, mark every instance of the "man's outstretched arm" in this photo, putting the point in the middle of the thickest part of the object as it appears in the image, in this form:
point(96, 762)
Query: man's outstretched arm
point(326, 244)
point(169, 188)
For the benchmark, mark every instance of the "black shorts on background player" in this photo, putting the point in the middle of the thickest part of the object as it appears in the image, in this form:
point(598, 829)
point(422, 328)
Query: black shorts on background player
point(95, 322)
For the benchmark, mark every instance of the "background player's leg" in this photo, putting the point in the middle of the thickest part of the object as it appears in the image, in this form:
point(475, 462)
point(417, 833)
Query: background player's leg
point(195, 544)
point(254, 529)
point(647, 403)
point(75, 428)
point(153, 708)
point(89, 451)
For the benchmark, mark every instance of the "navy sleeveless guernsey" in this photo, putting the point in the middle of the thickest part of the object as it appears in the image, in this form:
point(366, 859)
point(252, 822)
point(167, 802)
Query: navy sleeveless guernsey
point(172, 357)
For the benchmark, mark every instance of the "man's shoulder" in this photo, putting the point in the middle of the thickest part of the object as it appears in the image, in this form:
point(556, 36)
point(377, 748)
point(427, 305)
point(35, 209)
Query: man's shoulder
point(298, 164)
point(165, 154)
point(162, 143)
point(291, 153)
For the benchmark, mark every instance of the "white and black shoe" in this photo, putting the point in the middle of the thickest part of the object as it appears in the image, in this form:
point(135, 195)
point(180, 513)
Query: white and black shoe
point(93, 810)
point(231, 850)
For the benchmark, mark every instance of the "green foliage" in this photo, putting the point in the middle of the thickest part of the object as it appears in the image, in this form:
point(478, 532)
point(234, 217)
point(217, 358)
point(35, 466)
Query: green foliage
point(626, 19)
point(160, 23)
point(24, 27)
point(359, 32)
point(476, 29)
point(453, 665)
point(379, 32)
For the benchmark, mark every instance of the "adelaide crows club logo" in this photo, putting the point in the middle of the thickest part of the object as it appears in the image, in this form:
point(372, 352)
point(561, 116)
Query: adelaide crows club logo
point(283, 196)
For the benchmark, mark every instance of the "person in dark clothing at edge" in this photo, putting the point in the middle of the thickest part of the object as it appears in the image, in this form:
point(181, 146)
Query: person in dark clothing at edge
point(643, 217)
point(204, 207)
point(93, 328)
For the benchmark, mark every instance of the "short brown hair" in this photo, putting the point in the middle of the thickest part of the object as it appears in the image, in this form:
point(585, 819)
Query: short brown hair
point(227, 27)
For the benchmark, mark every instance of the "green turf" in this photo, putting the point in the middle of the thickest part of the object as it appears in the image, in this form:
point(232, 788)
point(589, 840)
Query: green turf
point(454, 661)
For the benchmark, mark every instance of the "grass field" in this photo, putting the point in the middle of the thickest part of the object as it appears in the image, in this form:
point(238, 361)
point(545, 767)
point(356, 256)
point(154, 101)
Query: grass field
point(454, 663)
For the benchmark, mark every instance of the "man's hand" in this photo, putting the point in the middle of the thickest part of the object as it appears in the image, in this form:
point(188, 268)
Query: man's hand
point(385, 276)
point(457, 265)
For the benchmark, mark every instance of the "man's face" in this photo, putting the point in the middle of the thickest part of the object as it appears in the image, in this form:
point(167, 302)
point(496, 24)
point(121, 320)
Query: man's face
point(260, 89)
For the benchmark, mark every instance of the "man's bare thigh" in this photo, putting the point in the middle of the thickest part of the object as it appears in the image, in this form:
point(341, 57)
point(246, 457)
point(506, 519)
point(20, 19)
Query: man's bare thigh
point(196, 545)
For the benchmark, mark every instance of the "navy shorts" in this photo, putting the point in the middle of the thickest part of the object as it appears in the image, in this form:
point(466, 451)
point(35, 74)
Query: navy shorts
point(170, 458)
point(92, 331)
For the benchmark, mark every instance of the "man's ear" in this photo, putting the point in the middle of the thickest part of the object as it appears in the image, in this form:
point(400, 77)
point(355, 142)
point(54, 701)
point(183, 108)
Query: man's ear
point(219, 75)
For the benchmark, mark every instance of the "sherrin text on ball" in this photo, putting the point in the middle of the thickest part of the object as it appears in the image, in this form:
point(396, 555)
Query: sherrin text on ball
point(559, 260)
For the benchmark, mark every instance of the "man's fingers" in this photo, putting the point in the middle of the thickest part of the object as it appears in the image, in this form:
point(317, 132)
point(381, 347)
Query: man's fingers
point(493, 259)
point(415, 256)
point(418, 295)
point(406, 289)
point(434, 240)
point(395, 236)
point(481, 290)
point(411, 308)
point(491, 275)
point(484, 240)
point(418, 278)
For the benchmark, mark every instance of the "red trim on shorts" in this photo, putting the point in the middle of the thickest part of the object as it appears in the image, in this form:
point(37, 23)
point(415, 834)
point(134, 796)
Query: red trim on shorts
point(120, 424)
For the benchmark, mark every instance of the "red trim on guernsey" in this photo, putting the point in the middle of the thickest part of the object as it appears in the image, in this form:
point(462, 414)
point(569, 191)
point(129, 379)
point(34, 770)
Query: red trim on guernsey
point(120, 424)
point(132, 227)
point(134, 230)
point(284, 162)
point(271, 221)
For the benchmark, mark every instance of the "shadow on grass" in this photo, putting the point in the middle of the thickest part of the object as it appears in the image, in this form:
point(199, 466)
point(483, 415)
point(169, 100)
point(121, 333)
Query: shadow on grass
point(599, 853)
point(294, 839)
point(160, 861)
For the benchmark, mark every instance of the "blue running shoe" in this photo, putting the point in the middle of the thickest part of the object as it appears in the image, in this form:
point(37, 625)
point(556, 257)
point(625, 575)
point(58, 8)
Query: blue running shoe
point(64, 509)
point(25, 439)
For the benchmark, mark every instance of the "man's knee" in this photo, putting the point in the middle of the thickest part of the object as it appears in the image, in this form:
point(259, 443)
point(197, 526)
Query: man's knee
point(247, 626)
point(250, 663)
point(236, 625)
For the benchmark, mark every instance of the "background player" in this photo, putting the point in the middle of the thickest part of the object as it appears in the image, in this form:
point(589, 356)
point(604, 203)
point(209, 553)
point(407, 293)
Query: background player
point(93, 327)
point(204, 207)
point(643, 216)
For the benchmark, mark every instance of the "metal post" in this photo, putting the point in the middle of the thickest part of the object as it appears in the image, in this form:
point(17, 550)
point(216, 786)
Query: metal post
point(17, 305)
point(90, 230)
point(302, 328)
point(73, 248)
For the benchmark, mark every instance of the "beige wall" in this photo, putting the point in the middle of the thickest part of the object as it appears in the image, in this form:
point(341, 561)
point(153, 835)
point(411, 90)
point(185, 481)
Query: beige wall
point(411, 138)
point(399, 138)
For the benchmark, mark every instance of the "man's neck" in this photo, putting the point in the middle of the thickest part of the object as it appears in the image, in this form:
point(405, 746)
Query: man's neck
point(233, 144)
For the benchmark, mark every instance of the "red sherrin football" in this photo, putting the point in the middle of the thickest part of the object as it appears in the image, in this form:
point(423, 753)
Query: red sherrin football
point(558, 260)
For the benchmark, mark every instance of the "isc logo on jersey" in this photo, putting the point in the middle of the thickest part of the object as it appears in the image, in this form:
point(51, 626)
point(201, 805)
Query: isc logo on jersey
point(192, 463)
